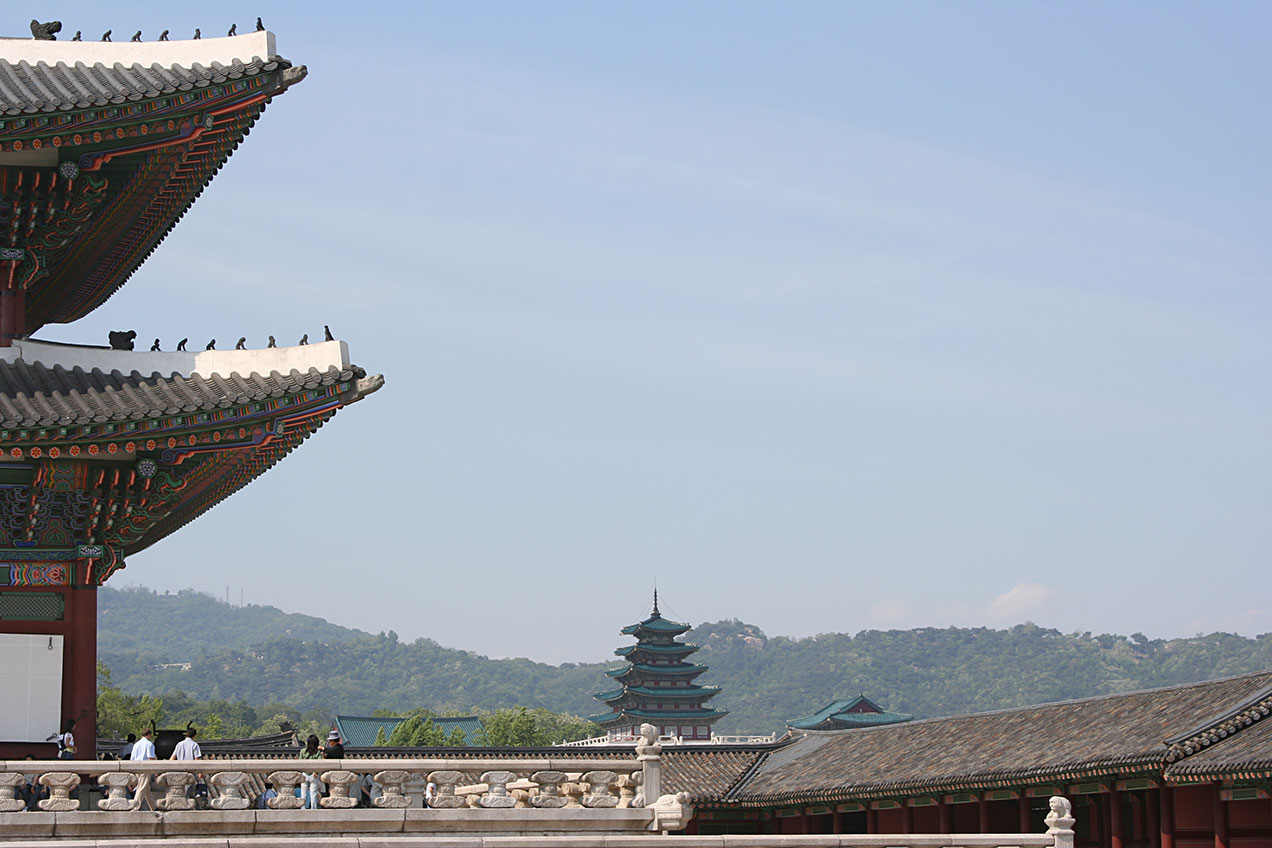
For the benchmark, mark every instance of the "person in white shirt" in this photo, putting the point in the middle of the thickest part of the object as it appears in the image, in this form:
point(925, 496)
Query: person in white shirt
point(187, 749)
point(143, 749)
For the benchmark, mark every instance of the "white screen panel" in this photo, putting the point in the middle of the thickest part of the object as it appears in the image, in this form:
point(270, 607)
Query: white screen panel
point(30, 686)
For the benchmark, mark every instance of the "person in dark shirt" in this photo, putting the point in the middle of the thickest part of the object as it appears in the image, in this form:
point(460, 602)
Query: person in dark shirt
point(333, 750)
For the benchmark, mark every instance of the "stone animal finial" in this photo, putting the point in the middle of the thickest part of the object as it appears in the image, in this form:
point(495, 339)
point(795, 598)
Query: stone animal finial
point(155, 346)
point(136, 36)
point(304, 339)
point(46, 31)
point(211, 345)
point(122, 340)
point(326, 332)
point(78, 36)
point(181, 344)
point(163, 36)
point(233, 29)
point(260, 27)
point(106, 35)
point(197, 34)
point(272, 343)
point(242, 343)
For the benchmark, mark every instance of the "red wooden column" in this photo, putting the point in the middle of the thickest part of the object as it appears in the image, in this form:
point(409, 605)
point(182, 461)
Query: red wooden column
point(1152, 811)
point(1221, 817)
point(943, 812)
point(1166, 812)
point(907, 817)
point(982, 807)
point(1117, 829)
point(872, 819)
point(79, 674)
point(1026, 825)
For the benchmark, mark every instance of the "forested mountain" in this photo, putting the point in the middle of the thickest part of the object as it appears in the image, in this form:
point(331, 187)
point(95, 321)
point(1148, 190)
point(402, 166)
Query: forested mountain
point(262, 655)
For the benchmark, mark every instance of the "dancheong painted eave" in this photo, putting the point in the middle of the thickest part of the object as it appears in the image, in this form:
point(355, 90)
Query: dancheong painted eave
point(154, 439)
point(104, 146)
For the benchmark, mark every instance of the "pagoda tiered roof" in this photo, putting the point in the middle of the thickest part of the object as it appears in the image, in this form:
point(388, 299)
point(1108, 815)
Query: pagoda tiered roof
point(104, 146)
point(657, 674)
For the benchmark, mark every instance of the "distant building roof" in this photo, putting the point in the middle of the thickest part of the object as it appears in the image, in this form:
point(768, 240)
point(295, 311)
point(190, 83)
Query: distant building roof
point(360, 731)
point(843, 713)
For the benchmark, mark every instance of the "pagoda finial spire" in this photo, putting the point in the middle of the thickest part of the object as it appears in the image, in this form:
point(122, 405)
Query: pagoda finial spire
point(656, 613)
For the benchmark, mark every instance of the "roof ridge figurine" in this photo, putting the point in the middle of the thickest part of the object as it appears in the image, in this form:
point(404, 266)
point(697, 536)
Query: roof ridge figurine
point(242, 343)
point(233, 29)
point(106, 35)
point(181, 344)
point(48, 30)
point(326, 332)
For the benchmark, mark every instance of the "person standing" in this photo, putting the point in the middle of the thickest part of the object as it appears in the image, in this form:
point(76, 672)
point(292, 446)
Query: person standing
point(333, 750)
point(125, 753)
point(311, 787)
point(65, 741)
point(143, 749)
point(187, 749)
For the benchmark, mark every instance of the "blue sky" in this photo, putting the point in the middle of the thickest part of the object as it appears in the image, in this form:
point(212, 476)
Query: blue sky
point(826, 316)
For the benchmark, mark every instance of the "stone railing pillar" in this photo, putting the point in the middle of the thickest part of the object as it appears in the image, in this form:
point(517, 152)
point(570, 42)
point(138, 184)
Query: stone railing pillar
point(177, 783)
point(649, 755)
point(496, 794)
point(599, 794)
point(285, 783)
point(1060, 821)
point(446, 781)
point(10, 783)
point(230, 794)
point(116, 784)
point(549, 789)
point(392, 792)
point(339, 782)
point(60, 784)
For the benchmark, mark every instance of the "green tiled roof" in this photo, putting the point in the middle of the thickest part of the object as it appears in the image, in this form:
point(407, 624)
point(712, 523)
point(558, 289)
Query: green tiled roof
point(656, 624)
point(848, 712)
point(662, 670)
point(360, 731)
point(658, 692)
point(660, 715)
point(672, 649)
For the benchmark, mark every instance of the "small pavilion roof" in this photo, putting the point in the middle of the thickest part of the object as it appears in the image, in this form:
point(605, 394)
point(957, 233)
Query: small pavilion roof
point(842, 713)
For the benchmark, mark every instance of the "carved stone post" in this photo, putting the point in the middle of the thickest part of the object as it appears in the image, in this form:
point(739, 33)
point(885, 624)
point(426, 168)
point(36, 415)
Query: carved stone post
point(627, 785)
point(392, 796)
point(549, 789)
point(599, 785)
point(496, 794)
point(177, 783)
point(229, 786)
point(285, 783)
point(339, 782)
point(60, 784)
point(10, 783)
point(116, 784)
point(649, 755)
point(671, 812)
point(573, 791)
point(1060, 821)
point(446, 781)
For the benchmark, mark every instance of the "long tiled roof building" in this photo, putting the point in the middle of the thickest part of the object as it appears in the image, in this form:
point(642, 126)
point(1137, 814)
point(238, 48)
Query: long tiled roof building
point(105, 451)
point(657, 685)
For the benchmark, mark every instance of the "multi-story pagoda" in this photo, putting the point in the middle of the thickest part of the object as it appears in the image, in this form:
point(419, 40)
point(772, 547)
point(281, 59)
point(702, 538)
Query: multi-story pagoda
point(657, 684)
point(106, 450)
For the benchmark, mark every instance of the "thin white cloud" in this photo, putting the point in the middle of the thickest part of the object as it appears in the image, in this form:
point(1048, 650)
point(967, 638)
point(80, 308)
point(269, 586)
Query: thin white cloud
point(1020, 600)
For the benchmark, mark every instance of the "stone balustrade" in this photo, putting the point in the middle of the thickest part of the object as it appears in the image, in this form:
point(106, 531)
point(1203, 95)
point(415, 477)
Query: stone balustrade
point(482, 796)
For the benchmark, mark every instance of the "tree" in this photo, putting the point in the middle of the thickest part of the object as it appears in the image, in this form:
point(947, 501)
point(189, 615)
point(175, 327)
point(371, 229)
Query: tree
point(119, 714)
point(380, 738)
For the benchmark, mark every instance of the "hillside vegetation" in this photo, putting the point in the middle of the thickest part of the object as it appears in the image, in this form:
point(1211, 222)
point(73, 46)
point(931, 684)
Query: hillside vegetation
point(261, 655)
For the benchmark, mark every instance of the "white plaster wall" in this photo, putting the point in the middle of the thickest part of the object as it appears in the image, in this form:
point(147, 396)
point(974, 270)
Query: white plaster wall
point(90, 51)
point(30, 686)
point(321, 355)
